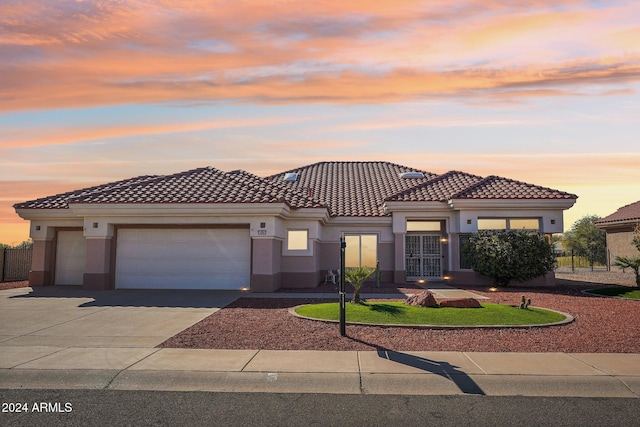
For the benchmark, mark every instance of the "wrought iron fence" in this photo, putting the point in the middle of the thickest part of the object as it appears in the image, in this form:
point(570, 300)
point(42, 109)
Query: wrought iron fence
point(594, 259)
point(15, 263)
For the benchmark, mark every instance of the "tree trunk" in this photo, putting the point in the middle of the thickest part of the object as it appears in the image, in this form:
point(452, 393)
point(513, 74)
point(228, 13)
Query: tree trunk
point(356, 296)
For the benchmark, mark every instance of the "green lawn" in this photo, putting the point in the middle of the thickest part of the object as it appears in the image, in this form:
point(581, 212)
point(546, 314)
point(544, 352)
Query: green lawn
point(399, 313)
point(618, 291)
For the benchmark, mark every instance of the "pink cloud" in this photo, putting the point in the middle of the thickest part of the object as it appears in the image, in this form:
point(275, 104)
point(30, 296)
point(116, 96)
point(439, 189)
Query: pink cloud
point(21, 138)
point(65, 55)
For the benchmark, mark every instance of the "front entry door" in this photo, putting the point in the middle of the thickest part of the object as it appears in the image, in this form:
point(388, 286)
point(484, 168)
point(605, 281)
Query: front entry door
point(423, 256)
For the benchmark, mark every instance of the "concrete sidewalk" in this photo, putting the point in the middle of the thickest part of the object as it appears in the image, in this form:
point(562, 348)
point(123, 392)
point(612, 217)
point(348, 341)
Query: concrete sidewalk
point(350, 372)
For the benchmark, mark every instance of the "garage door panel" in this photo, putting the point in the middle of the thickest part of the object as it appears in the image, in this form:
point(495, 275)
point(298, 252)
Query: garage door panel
point(177, 267)
point(185, 282)
point(71, 252)
point(183, 259)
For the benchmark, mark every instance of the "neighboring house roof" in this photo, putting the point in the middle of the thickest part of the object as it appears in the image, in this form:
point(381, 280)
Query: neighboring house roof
point(626, 214)
point(344, 188)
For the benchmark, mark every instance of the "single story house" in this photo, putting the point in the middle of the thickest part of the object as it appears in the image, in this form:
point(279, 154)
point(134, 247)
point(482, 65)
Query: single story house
point(209, 229)
point(619, 230)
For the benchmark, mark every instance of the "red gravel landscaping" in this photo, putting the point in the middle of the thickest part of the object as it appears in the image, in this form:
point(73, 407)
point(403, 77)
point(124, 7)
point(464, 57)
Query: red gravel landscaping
point(602, 325)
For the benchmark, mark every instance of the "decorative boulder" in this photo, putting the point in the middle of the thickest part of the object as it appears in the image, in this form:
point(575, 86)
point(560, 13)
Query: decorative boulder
point(461, 303)
point(422, 299)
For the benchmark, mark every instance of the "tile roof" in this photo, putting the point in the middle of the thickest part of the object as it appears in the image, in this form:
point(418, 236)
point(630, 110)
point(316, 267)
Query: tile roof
point(438, 189)
point(344, 188)
point(60, 201)
point(353, 188)
point(496, 187)
point(628, 213)
point(203, 185)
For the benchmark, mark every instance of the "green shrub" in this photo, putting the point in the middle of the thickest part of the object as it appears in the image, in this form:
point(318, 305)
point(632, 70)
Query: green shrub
point(509, 255)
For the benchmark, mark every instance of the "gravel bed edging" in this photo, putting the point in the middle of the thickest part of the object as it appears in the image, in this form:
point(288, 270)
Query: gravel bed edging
point(592, 294)
point(601, 325)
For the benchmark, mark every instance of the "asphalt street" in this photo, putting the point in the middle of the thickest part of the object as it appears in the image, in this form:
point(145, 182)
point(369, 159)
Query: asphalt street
point(147, 408)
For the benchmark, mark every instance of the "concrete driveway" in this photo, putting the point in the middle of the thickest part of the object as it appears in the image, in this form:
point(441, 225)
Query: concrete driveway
point(71, 317)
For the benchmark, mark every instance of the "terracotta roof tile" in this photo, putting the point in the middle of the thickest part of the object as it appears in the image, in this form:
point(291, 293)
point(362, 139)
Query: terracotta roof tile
point(352, 188)
point(438, 189)
point(628, 213)
point(203, 185)
point(496, 187)
point(344, 188)
point(60, 201)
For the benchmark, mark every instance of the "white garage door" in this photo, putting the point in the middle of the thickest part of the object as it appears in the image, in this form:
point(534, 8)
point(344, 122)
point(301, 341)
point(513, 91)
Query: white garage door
point(183, 259)
point(71, 252)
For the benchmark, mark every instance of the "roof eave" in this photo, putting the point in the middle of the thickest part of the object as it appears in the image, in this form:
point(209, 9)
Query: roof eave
point(178, 209)
point(35, 214)
point(620, 223)
point(511, 203)
point(415, 206)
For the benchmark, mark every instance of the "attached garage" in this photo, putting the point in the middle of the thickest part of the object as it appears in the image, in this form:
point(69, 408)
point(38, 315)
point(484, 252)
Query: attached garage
point(71, 252)
point(190, 258)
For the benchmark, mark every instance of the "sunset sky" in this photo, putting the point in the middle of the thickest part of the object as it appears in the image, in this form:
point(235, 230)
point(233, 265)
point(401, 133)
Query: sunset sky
point(540, 91)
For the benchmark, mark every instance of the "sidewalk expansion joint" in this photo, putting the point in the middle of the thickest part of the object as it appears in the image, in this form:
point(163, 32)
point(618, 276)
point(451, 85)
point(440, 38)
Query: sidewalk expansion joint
point(362, 390)
point(41, 357)
point(249, 361)
point(628, 387)
point(466, 354)
point(108, 385)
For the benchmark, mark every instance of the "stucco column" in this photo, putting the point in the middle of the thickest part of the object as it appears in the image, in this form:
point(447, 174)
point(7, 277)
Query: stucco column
point(265, 265)
point(399, 273)
point(97, 273)
point(42, 263)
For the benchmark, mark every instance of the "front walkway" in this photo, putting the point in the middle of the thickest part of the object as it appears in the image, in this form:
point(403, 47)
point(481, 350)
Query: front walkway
point(440, 291)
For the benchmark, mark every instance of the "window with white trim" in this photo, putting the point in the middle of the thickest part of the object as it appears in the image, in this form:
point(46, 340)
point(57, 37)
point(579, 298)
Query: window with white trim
point(297, 240)
point(423, 225)
point(361, 250)
point(508, 224)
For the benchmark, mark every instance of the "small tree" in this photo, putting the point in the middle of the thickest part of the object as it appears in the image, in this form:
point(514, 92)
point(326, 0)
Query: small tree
point(356, 276)
point(636, 236)
point(509, 255)
point(585, 239)
point(27, 244)
point(632, 263)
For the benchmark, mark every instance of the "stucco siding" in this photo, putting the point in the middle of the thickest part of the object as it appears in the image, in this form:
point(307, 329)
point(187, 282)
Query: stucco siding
point(619, 244)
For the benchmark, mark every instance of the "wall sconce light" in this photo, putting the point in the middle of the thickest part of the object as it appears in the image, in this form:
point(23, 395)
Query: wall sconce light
point(468, 221)
point(444, 240)
point(95, 225)
point(37, 228)
point(553, 221)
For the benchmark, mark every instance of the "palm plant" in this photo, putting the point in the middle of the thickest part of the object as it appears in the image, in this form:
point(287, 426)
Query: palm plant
point(356, 276)
point(632, 263)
